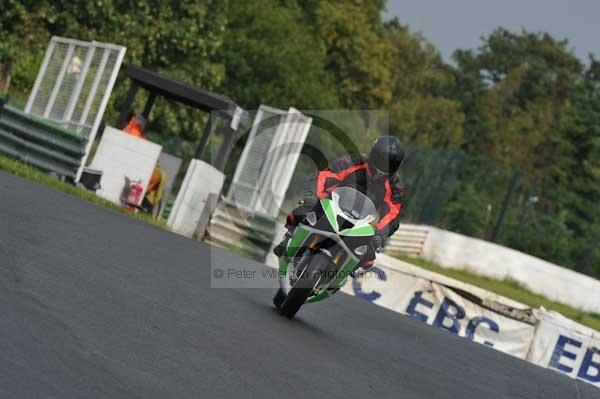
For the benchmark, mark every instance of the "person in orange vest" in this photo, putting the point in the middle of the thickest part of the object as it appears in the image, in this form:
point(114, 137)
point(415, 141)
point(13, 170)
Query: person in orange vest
point(136, 126)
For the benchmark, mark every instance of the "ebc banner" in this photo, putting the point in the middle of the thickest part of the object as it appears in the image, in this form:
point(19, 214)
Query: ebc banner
point(442, 307)
point(567, 347)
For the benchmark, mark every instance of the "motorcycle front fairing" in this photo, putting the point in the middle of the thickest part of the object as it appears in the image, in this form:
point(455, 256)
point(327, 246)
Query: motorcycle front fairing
point(341, 228)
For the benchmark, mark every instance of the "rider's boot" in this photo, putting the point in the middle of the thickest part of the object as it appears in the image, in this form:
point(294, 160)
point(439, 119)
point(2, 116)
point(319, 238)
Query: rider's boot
point(279, 250)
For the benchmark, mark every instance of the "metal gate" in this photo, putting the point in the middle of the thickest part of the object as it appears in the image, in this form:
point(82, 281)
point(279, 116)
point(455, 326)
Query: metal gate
point(74, 84)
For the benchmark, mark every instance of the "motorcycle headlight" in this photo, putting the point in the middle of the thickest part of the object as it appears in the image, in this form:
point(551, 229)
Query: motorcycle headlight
point(360, 251)
point(311, 218)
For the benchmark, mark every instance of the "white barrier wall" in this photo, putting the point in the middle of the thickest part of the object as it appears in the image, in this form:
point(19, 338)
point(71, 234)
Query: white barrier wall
point(121, 155)
point(197, 198)
point(457, 251)
point(397, 265)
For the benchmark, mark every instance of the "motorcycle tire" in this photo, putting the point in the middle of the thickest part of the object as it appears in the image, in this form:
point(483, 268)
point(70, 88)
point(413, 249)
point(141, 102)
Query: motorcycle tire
point(304, 286)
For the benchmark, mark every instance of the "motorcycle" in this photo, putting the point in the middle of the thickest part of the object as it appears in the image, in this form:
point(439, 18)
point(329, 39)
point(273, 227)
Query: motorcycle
point(325, 249)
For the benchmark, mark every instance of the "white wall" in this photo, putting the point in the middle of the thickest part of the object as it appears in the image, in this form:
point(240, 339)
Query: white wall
point(121, 155)
point(197, 198)
point(557, 283)
point(408, 268)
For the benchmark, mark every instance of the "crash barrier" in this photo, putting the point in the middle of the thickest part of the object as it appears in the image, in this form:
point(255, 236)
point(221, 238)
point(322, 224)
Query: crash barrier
point(39, 143)
point(168, 207)
point(536, 335)
point(457, 251)
point(242, 231)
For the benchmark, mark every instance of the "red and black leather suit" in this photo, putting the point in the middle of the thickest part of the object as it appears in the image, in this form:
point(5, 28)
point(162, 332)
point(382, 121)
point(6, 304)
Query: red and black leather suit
point(353, 171)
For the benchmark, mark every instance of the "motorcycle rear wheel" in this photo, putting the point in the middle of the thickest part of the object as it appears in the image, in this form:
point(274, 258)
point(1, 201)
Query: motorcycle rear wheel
point(304, 286)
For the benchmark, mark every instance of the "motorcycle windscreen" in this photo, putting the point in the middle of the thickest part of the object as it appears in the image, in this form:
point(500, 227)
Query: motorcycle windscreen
point(354, 204)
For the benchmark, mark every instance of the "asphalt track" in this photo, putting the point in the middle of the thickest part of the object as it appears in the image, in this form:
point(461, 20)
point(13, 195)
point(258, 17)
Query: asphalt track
point(97, 305)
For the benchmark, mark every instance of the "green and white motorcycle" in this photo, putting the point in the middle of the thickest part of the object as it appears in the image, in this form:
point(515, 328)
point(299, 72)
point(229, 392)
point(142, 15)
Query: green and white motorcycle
point(325, 249)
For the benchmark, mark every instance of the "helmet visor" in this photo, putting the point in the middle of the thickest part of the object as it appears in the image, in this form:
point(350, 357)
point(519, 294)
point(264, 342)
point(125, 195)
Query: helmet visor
point(386, 166)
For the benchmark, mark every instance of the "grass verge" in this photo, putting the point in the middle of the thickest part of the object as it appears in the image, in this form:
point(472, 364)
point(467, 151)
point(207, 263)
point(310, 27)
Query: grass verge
point(30, 173)
point(510, 289)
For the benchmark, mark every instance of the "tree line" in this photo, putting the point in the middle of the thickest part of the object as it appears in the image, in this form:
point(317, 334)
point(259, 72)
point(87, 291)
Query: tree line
point(520, 108)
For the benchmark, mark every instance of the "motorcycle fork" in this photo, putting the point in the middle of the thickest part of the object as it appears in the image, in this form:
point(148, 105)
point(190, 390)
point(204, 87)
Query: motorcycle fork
point(336, 256)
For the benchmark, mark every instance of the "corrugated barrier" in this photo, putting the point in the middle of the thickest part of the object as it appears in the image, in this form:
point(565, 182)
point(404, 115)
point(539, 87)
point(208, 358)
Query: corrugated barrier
point(40, 143)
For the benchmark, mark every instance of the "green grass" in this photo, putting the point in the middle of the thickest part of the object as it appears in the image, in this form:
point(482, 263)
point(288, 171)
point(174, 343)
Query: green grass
point(30, 173)
point(510, 289)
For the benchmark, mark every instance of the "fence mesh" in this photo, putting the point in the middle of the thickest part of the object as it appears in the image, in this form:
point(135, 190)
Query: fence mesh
point(72, 83)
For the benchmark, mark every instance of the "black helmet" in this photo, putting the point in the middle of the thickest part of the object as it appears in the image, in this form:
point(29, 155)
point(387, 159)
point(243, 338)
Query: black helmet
point(386, 156)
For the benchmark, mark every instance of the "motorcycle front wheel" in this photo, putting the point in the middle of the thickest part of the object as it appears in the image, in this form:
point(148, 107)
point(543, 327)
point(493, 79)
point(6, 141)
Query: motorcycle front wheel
point(305, 285)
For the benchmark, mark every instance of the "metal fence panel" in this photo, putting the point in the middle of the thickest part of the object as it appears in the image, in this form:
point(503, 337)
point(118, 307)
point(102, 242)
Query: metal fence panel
point(265, 169)
point(74, 84)
point(243, 189)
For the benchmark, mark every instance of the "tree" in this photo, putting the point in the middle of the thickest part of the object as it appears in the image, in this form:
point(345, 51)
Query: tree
point(178, 39)
point(351, 33)
point(581, 126)
point(422, 110)
point(514, 90)
point(273, 56)
point(22, 28)
point(531, 105)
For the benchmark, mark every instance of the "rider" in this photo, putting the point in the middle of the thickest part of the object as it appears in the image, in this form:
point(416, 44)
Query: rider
point(375, 176)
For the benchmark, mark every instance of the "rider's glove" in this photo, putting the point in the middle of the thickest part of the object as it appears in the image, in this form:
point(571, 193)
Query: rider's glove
point(310, 200)
point(377, 242)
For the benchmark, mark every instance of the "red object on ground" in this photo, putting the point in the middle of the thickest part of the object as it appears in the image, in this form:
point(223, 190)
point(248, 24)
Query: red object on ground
point(134, 196)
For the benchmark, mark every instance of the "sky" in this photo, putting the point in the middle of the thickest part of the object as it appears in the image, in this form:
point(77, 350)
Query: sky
point(452, 24)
